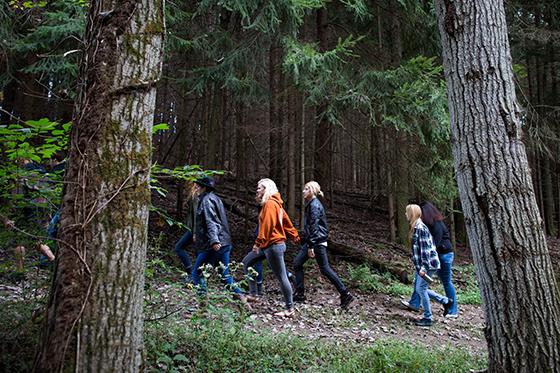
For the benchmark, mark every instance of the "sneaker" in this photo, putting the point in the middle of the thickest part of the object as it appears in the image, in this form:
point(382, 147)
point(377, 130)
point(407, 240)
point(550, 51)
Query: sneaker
point(447, 306)
point(345, 300)
point(408, 306)
point(300, 298)
point(452, 316)
point(285, 313)
point(424, 322)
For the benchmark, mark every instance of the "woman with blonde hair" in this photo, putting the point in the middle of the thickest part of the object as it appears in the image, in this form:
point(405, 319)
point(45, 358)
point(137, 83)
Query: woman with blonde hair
point(314, 245)
point(426, 262)
point(274, 226)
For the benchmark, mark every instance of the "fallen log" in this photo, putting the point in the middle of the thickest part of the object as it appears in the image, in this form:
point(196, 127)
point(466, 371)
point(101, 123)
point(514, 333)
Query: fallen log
point(357, 255)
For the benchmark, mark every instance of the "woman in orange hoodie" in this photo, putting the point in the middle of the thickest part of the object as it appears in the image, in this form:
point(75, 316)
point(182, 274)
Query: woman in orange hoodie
point(274, 226)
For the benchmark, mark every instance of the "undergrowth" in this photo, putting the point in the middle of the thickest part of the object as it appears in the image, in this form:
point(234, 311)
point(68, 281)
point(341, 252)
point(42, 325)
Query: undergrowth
point(216, 341)
point(368, 280)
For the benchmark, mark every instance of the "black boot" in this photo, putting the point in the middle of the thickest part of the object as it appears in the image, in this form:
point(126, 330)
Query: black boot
point(299, 297)
point(346, 299)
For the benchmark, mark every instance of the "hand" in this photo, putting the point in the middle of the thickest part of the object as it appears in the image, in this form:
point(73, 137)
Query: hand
point(297, 240)
point(256, 249)
point(46, 251)
point(422, 273)
point(9, 224)
point(216, 246)
point(310, 253)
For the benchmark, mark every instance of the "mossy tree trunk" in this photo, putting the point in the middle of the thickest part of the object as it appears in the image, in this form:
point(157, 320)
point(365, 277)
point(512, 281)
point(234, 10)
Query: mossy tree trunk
point(505, 231)
point(94, 320)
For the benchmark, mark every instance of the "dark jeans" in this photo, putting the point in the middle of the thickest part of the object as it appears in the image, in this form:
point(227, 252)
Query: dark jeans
point(214, 258)
point(180, 250)
point(323, 262)
point(274, 255)
point(258, 279)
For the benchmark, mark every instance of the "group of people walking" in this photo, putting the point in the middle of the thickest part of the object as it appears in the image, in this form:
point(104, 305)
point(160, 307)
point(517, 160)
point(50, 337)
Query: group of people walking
point(212, 241)
point(432, 253)
point(431, 249)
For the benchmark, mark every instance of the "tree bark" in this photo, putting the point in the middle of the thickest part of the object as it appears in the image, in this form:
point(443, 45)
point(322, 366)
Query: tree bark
point(520, 294)
point(94, 320)
point(323, 134)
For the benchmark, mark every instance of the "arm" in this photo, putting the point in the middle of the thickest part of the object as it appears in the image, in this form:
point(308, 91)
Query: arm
point(437, 233)
point(315, 212)
point(289, 228)
point(211, 219)
point(267, 221)
point(416, 254)
point(424, 244)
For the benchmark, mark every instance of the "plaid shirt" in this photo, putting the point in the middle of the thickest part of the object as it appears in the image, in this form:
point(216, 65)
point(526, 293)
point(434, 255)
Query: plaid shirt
point(424, 254)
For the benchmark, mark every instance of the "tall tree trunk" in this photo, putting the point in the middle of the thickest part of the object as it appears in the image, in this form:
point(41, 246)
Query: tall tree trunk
point(520, 294)
point(323, 139)
point(274, 111)
point(94, 320)
point(389, 154)
point(302, 151)
point(292, 115)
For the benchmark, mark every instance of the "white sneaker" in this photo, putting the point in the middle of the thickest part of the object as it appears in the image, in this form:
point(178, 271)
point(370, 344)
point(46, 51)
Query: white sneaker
point(452, 316)
point(408, 306)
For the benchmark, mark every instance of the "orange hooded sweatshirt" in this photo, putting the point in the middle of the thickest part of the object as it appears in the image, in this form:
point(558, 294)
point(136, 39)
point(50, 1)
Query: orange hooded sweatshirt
point(274, 223)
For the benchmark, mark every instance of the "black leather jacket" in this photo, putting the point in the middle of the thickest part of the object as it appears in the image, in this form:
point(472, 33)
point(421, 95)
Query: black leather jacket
point(315, 226)
point(211, 225)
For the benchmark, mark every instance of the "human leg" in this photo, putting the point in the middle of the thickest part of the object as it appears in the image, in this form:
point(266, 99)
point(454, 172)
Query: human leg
point(445, 275)
point(299, 261)
point(275, 258)
point(421, 287)
point(180, 250)
point(222, 261)
point(202, 258)
point(323, 262)
point(414, 303)
point(250, 260)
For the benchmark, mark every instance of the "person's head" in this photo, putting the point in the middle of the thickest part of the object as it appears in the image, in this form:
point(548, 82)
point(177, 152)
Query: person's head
point(311, 190)
point(265, 189)
point(430, 213)
point(203, 184)
point(413, 213)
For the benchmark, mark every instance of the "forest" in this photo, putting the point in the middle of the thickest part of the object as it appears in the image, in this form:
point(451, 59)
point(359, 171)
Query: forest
point(155, 154)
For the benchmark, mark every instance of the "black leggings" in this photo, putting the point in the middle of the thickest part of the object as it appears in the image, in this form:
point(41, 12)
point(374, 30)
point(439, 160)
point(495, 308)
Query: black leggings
point(322, 261)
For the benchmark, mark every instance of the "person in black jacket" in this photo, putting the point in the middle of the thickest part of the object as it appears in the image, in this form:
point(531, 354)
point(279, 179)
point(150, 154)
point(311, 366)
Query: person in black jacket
point(433, 219)
point(314, 245)
point(212, 239)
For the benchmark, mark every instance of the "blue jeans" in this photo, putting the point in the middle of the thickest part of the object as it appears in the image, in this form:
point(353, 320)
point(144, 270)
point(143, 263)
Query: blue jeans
point(214, 258)
point(180, 250)
point(444, 274)
point(422, 295)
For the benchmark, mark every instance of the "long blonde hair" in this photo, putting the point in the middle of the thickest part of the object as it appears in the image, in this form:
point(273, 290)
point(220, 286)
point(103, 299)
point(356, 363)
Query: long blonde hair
point(315, 188)
point(269, 189)
point(413, 213)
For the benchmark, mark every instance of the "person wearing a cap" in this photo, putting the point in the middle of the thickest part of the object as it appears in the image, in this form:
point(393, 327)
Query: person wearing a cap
point(212, 237)
point(274, 226)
